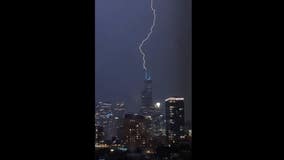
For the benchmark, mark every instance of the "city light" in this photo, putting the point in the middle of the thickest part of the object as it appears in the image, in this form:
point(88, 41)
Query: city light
point(158, 104)
point(147, 120)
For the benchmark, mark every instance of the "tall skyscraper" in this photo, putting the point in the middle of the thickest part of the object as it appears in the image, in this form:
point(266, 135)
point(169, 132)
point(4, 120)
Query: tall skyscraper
point(146, 97)
point(147, 108)
point(175, 121)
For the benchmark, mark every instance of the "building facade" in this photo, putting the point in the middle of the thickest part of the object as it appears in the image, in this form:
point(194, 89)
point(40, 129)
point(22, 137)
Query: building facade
point(135, 135)
point(99, 139)
point(175, 121)
point(146, 97)
point(104, 118)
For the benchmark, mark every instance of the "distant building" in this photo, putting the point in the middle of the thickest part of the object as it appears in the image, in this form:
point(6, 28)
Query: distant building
point(99, 135)
point(175, 121)
point(119, 110)
point(104, 117)
point(110, 117)
point(135, 135)
point(147, 108)
point(158, 121)
point(146, 97)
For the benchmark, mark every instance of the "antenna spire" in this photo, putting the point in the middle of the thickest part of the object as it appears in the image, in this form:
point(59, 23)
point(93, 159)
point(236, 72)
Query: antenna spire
point(147, 75)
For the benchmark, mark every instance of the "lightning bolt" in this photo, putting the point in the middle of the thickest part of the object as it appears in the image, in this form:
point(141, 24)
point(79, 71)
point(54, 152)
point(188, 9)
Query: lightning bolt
point(148, 35)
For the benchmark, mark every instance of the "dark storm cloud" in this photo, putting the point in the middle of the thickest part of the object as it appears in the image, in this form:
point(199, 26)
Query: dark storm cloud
point(120, 27)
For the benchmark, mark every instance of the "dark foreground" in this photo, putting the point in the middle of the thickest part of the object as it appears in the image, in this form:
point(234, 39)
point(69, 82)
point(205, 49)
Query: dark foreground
point(181, 152)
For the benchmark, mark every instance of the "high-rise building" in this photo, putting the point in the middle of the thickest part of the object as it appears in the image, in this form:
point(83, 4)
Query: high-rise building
point(118, 114)
point(147, 107)
point(110, 117)
point(158, 120)
point(104, 118)
point(135, 134)
point(119, 110)
point(175, 121)
point(146, 97)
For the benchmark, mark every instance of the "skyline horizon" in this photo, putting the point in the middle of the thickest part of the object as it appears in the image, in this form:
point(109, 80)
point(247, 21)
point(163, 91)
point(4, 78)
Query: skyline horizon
point(119, 76)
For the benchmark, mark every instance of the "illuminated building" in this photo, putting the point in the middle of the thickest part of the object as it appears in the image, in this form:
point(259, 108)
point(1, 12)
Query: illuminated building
point(135, 134)
point(119, 110)
point(104, 117)
point(118, 114)
point(175, 121)
point(147, 108)
point(110, 117)
point(99, 135)
point(158, 120)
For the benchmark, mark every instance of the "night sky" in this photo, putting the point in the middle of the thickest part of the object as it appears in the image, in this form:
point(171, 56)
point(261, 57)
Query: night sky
point(120, 26)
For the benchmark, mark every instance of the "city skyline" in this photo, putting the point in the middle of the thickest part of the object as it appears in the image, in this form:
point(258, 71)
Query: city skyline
point(119, 75)
point(155, 133)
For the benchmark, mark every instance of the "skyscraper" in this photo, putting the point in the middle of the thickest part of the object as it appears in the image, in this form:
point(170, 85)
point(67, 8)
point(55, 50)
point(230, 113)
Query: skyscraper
point(158, 120)
point(146, 97)
point(118, 114)
point(147, 108)
point(175, 121)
